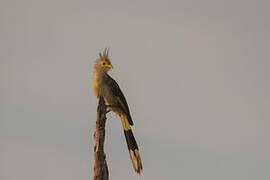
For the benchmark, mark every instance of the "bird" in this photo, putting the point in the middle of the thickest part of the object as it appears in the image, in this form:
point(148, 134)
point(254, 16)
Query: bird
point(105, 86)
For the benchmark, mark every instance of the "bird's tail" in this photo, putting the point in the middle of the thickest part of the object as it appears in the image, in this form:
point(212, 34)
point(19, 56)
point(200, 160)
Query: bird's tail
point(132, 145)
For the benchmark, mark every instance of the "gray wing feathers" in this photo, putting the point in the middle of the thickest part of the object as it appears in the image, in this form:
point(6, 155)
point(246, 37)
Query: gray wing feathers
point(116, 91)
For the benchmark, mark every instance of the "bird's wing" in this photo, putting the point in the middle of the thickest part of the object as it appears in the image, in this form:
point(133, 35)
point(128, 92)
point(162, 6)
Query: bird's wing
point(122, 103)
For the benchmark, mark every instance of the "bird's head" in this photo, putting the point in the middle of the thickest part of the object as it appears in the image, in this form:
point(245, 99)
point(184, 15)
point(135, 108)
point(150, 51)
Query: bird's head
point(104, 63)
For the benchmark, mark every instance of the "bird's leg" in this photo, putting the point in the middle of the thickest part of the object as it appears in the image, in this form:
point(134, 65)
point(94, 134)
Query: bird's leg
point(108, 111)
point(108, 108)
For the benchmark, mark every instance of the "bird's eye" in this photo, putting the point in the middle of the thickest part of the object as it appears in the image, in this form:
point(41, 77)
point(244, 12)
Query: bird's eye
point(103, 64)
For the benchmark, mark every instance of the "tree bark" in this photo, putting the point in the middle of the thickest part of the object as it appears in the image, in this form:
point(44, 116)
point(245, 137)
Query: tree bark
point(100, 165)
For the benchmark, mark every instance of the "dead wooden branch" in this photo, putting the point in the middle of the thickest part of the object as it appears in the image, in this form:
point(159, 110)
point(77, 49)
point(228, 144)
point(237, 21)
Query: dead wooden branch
point(100, 165)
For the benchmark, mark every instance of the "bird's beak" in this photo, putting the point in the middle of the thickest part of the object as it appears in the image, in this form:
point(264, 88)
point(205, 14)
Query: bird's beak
point(110, 66)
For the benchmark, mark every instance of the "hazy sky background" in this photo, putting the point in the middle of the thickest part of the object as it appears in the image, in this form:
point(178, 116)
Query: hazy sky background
point(195, 74)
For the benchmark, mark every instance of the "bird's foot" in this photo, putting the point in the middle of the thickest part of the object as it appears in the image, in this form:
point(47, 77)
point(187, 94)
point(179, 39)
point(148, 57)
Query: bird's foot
point(108, 108)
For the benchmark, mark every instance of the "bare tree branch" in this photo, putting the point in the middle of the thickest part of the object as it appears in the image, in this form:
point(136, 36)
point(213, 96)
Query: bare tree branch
point(100, 165)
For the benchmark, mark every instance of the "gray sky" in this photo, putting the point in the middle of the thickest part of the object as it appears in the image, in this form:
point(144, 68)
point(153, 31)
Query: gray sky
point(195, 74)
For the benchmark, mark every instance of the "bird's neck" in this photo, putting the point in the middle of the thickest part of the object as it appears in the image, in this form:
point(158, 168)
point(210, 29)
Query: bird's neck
point(99, 75)
point(100, 72)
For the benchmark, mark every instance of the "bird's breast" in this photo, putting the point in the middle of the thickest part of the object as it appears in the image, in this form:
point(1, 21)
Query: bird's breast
point(96, 85)
point(100, 88)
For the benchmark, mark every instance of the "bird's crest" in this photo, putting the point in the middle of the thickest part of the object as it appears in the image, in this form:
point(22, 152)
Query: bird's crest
point(105, 54)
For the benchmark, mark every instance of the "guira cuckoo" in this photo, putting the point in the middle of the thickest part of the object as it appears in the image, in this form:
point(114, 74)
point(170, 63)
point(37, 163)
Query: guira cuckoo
point(105, 86)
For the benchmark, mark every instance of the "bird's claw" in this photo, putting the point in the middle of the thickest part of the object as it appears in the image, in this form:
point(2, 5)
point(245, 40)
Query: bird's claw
point(108, 108)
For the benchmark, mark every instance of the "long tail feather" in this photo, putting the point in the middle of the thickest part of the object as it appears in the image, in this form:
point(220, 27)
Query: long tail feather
point(132, 145)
